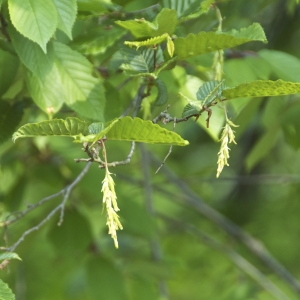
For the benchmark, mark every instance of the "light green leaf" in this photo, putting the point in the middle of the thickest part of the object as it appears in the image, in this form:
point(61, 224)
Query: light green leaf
point(66, 10)
point(36, 20)
point(262, 88)
point(47, 93)
point(164, 22)
point(205, 42)
point(162, 95)
point(5, 292)
point(31, 55)
point(56, 127)
point(10, 117)
point(170, 46)
point(138, 130)
point(9, 255)
point(149, 42)
point(97, 40)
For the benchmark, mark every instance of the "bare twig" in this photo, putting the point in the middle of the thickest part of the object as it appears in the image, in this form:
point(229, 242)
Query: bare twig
point(235, 257)
point(61, 207)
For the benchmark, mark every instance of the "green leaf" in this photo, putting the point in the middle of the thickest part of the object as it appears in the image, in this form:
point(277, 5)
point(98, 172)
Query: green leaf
point(10, 117)
point(149, 42)
point(205, 42)
point(66, 10)
point(9, 65)
point(5, 292)
point(97, 40)
point(31, 55)
point(162, 95)
point(170, 46)
point(164, 22)
point(36, 19)
point(189, 8)
point(192, 108)
point(210, 91)
point(138, 130)
point(140, 62)
point(96, 6)
point(56, 127)
point(9, 255)
point(262, 88)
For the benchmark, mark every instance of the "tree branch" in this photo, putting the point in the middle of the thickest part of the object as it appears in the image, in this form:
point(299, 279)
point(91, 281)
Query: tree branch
point(61, 207)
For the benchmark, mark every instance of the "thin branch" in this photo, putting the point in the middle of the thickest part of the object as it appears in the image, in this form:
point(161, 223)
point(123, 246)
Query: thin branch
point(255, 246)
point(235, 257)
point(61, 207)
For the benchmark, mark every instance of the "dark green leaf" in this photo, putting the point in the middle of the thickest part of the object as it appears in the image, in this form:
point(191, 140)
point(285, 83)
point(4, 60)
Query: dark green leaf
point(162, 96)
point(10, 117)
point(210, 91)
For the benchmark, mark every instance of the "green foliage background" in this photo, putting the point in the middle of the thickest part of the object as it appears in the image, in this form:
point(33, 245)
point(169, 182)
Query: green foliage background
point(158, 258)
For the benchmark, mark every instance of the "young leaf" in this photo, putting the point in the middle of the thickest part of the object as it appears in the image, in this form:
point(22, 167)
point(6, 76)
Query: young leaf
point(66, 10)
point(192, 108)
point(10, 117)
point(138, 130)
point(5, 292)
point(205, 42)
point(9, 255)
point(210, 91)
point(262, 88)
point(36, 19)
point(56, 127)
point(138, 62)
point(164, 22)
point(149, 42)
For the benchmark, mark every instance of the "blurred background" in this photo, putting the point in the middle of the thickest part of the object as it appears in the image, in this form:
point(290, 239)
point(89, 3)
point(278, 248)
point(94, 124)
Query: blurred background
point(187, 235)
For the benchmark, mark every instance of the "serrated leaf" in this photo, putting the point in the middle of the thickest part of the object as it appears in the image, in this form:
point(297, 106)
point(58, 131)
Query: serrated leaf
point(189, 8)
point(210, 91)
point(262, 88)
point(10, 117)
point(162, 95)
point(56, 127)
point(97, 41)
point(31, 55)
point(36, 20)
point(9, 65)
point(66, 10)
point(138, 62)
point(5, 292)
point(149, 42)
point(138, 130)
point(192, 108)
point(164, 22)
point(9, 255)
point(205, 42)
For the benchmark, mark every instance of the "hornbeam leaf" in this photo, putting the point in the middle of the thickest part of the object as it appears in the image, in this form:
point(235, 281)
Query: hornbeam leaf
point(5, 292)
point(262, 88)
point(205, 42)
point(164, 22)
point(66, 10)
point(9, 255)
point(56, 127)
point(36, 19)
point(138, 130)
point(150, 42)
